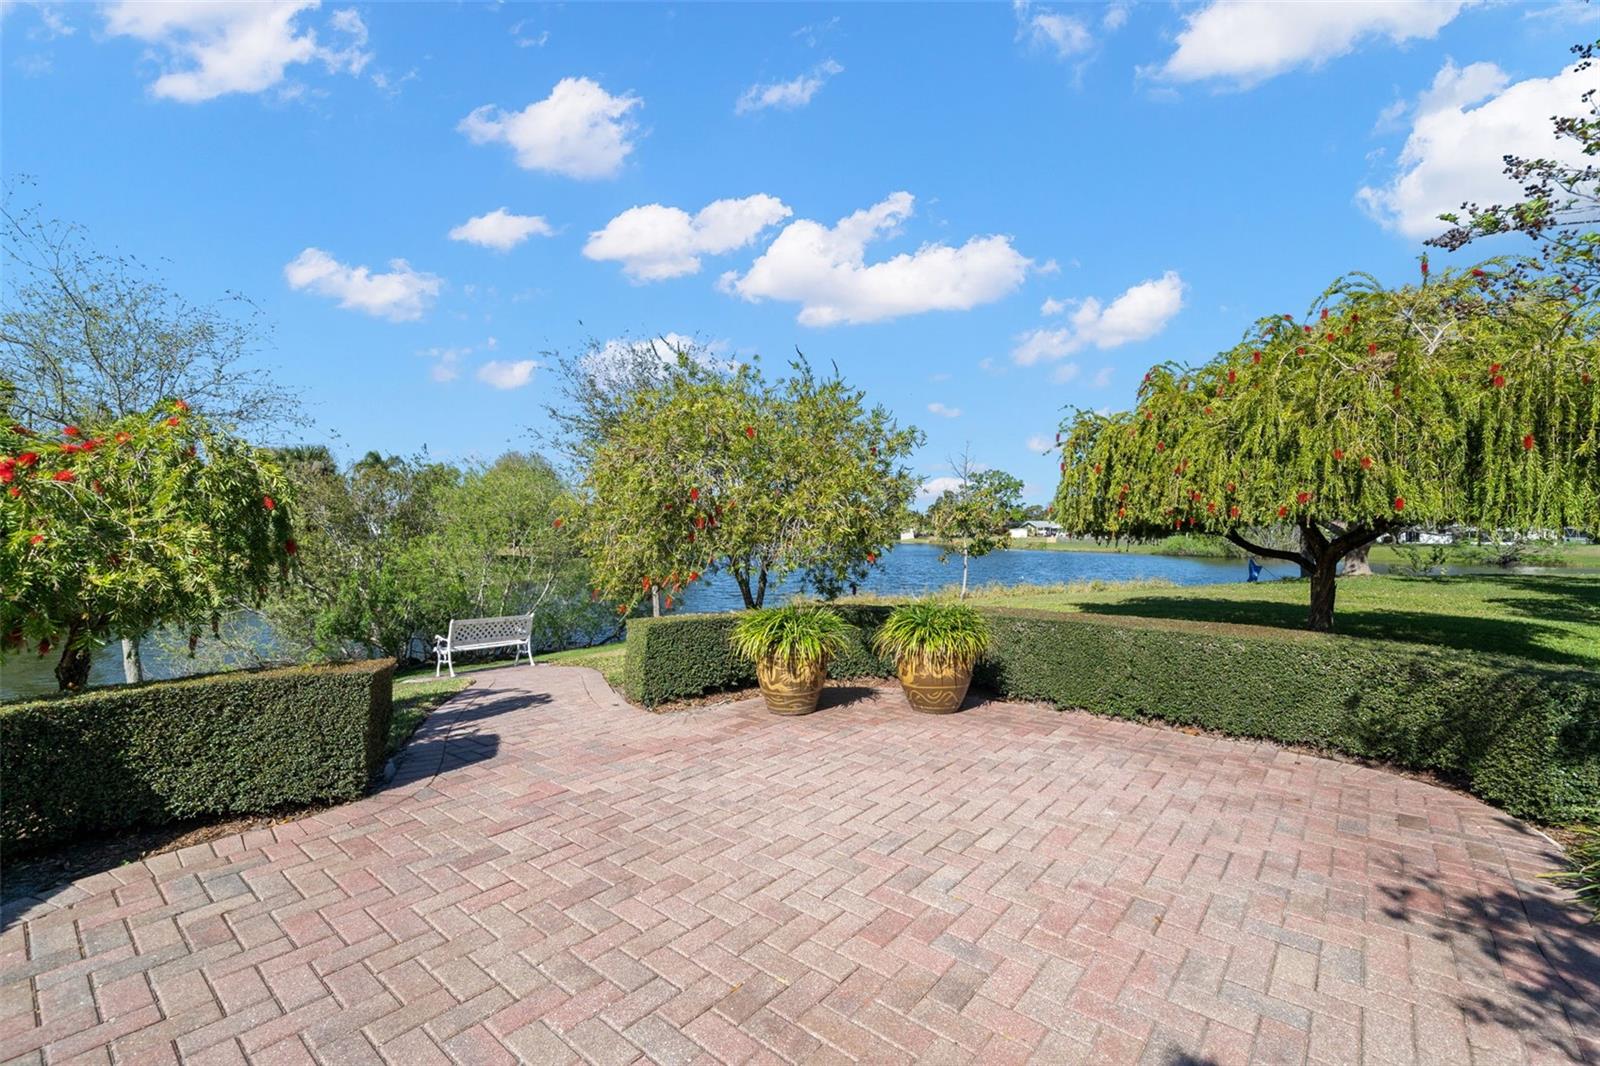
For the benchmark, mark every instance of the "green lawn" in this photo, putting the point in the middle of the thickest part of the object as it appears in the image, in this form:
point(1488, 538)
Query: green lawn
point(414, 700)
point(1551, 618)
point(607, 659)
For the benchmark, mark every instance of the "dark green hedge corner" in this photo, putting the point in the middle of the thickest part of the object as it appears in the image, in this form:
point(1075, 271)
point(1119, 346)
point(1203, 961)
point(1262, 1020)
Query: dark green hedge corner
point(235, 743)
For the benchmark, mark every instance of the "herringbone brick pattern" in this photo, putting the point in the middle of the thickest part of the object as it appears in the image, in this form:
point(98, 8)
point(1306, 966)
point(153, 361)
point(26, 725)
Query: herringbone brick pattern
point(555, 877)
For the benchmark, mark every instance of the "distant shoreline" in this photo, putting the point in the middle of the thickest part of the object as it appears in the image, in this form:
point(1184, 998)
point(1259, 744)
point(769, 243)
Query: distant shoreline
point(1579, 556)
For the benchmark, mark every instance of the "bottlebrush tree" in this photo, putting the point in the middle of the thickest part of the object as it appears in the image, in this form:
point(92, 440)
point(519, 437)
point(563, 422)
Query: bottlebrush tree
point(115, 529)
point(717, 469)
point(1469, 398)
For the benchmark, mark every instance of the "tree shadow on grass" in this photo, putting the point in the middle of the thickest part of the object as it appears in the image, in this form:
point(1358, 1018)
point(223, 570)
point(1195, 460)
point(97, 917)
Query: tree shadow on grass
point(1520, 637)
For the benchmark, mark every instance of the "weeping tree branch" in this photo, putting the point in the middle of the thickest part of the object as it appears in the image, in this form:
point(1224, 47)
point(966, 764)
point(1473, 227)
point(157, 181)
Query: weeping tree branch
point(1298, 558)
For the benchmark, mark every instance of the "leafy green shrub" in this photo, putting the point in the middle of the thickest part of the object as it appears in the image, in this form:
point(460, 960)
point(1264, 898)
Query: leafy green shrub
point(1583, 868)
point(1524, 737)
point(934, 632)
point(800, 635)
point(234, 743)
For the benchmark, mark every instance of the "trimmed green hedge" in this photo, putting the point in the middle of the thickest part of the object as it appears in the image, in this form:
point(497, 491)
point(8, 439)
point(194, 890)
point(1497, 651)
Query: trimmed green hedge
point(234, 743)
point(1522, 736)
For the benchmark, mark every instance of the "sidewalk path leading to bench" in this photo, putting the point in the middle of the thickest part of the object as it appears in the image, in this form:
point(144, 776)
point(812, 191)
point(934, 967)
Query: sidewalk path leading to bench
point(554, 876)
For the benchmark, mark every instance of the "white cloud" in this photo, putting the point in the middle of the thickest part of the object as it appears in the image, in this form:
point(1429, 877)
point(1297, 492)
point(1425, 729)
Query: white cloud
point(654, 242)
point(934, 487)
point(500, 229)
point(1247, 42)
point(1052, 306)
point(579, 130)
point(1041, 443)
point(526, 38)
point(401, 295)
point(1454, 151)
point(943, 411)
point(1102, 377)
point(787, 95)
point(1066, 372)
point(507, 375)
point(1061, 34)
point(1138, 314)
point(215, 49)
point(446, 362)
point(824, 270)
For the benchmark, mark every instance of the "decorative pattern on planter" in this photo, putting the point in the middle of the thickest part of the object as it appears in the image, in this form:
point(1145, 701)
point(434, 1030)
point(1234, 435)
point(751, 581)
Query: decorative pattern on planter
point(788, 692)
point(935, 689)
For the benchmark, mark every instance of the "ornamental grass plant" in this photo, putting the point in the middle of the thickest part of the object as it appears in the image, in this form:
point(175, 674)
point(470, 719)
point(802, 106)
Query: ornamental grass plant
point(799, 636)
point(937, 633)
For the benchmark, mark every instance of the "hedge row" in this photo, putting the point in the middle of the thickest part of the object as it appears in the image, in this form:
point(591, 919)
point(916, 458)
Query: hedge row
point(235, 743)
point(1522, 736)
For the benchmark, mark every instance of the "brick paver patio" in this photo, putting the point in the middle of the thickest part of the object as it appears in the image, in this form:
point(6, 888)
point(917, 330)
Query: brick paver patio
point(556, 877)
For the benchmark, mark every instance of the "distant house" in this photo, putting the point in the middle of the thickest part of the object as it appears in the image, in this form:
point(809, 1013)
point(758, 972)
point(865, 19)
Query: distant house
point(908, 534)
point(1036, 529)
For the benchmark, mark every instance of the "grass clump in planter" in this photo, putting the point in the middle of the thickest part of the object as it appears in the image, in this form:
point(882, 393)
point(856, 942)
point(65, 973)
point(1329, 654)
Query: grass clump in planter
point(934, 646)
point(791, 647)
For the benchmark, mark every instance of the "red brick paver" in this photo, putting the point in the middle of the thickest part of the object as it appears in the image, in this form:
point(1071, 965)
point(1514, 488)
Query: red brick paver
point(556, 877)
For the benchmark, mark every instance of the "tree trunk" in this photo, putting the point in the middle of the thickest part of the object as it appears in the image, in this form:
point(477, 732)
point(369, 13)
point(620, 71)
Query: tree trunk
point(963, 575)
point(1324, 586)
point(655, 601)
point(1356, 565)
point(72, 672)
point(132, 662)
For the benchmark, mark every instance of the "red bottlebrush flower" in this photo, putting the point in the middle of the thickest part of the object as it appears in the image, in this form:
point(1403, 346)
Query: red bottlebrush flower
point(872, 557)
point(98, 488)
point(1527, 443)
point(15, 490)
point(1477, 273)
point(290, 546)
point(1306, 329)
point(70, 449)
point(1424, 266)
point(1208, 410)
point(691, 536)
point(1191, 521)
point(1097, 468)
point(622, 608)
point(1399, 503)
point(1149, 416)
point(1147, 375)
point(22, 431)
point(594, 594)
point(1302, 498)
point(36, 539)
point(1372, 349)
point(667, 606)
point(694, 494)
point(1397, 392)
point(1125, 488)
point(1063, 468)
point(1494, 368)
point(1324, 314)
point(44, 646)
point(557, 523)
point(666, 507)
point(174, 421)
point(1338, 453)
point(1233, 375)
point(1499, 381)
point(874, 449)
point(63, 475)
point(1300, 351)
point(1355, 318)
point(699, 521)
point(1177, 523)
point(1194, 495)
point(1366, 462)
point(1160, 446)
point(1288, 318)
point(1283, 512)
point(1233, 512)
point(750, 431)
point(268, 503)
point(1212, 507)
point(71, 431)
point(123, 438)
point(1587, 377)
point(1255, 357)
point(694, 575)
point(92, 443)
point(646, 582)
point(1122, 512)
point(180, 405)
point(1231, 486)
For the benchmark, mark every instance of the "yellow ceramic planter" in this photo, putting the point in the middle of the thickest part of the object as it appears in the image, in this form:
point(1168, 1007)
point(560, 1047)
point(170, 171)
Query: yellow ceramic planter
point(789, 691)
point(936, 689)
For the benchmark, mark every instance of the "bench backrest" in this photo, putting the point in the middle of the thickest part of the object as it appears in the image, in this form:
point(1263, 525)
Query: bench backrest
point(510, 629)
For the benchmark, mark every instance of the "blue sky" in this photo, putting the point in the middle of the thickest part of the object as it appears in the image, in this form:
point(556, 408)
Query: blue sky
point(981, 213)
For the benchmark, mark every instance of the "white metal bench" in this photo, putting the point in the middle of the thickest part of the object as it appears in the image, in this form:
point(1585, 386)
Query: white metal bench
point(473, 634)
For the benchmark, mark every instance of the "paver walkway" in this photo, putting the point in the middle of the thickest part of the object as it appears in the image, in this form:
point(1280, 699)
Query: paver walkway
point(556, 877)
